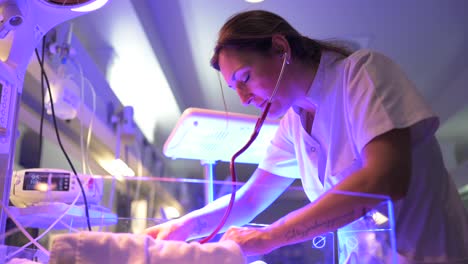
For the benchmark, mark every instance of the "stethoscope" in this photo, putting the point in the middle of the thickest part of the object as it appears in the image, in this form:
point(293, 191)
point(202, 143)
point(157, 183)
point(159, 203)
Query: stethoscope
point(254, 135)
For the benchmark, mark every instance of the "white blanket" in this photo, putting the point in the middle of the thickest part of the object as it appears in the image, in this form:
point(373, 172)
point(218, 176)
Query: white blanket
point(101, 247)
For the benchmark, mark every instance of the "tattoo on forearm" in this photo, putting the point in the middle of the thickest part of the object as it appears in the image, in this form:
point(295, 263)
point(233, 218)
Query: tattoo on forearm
point(328, 223)
point(199, 226)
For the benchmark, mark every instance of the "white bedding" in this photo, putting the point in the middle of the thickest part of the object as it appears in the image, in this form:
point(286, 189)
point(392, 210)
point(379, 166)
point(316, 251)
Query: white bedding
point(101, 248)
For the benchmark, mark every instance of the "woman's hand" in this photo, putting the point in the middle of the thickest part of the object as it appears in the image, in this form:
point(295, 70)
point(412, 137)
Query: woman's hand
point(253, 241)
point(171, 230)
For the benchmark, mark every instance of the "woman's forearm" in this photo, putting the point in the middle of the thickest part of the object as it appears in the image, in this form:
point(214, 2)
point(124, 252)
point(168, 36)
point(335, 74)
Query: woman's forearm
point(251, 199)
point(203, 221)
point(386, 171)
point(331, 211)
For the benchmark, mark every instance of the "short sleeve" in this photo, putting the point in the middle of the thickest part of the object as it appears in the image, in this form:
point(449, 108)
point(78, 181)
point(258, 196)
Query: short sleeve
point(281, 158)
point(379, 97)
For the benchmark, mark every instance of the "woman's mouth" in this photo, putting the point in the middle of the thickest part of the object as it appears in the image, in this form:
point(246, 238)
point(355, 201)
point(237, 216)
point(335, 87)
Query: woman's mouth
point(262, 104)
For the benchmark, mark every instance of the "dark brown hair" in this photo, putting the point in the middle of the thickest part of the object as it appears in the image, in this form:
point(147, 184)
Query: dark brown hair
point(253, 31)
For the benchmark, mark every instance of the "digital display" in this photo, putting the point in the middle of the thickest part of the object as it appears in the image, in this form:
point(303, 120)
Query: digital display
point(39, 181)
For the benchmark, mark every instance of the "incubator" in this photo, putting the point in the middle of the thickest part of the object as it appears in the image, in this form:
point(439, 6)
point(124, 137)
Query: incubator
point(370, 239)
point(121, 208)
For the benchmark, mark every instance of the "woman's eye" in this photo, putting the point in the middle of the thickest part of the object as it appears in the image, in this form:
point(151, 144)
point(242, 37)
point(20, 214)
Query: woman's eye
point(247, 78)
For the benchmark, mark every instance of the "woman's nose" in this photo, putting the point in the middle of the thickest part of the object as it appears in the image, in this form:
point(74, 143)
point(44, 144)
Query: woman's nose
point(246, 98)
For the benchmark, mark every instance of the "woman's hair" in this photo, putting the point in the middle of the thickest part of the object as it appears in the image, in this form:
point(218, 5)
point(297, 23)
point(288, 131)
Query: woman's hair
point(253, 31)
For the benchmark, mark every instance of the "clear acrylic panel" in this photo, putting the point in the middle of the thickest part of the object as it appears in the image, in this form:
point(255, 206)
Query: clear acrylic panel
point(131, 205)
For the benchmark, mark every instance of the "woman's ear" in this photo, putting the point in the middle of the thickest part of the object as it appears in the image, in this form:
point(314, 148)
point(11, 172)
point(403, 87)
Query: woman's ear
point(280, 45)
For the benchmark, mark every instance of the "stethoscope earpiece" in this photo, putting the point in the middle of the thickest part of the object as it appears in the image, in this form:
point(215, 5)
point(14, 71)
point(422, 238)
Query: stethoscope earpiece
point(285, 57)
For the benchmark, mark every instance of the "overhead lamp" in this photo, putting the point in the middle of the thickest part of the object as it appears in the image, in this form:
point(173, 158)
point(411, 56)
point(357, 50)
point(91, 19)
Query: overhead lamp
point(91, 6)
point(210, 135)
point(80, 5)
point(254, 1)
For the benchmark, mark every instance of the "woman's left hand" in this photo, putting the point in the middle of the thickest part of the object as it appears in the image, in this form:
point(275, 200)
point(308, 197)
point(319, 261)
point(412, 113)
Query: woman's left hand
point(253, 241)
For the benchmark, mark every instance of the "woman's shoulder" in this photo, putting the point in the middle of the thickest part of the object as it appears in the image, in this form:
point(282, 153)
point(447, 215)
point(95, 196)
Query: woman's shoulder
point(370, 62)
point(368, 56)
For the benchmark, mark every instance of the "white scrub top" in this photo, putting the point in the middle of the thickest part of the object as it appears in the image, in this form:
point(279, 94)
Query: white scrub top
point(357, 99)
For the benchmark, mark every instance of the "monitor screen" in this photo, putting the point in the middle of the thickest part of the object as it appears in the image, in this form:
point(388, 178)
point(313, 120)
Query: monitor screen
point(38, 181)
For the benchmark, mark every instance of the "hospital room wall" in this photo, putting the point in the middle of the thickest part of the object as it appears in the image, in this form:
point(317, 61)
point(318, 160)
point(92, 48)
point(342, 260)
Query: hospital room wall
point(140, 155)
point(90, 79)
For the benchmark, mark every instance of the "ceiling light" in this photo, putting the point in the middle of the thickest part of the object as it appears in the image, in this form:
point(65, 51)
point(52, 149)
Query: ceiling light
point(91, 6)
point(171, 212)
point(118, 168)
point(254, 1)
point(379, 218)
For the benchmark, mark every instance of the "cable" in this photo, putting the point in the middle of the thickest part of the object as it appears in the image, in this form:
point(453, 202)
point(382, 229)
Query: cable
point(14, 230)
point(24, 233)
point(60, 141)
point(34, 240)
point(232, 167)
point(82, 97)
point(91, 122)
point(41, 126)
point(85, 150)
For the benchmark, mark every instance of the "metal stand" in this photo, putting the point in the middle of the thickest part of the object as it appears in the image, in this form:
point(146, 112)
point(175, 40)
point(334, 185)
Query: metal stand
point(208, 167)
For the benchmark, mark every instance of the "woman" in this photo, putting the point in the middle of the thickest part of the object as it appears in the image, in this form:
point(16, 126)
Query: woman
point(351, 122)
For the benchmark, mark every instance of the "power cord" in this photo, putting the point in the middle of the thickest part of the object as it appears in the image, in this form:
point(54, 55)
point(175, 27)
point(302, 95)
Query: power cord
point(43, 74)
point(41, 126)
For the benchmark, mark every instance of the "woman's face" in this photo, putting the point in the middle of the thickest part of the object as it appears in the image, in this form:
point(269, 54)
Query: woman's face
point(253, 76)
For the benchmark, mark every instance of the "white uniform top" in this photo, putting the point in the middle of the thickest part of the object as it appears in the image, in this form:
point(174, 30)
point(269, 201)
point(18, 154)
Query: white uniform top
point(357, 99)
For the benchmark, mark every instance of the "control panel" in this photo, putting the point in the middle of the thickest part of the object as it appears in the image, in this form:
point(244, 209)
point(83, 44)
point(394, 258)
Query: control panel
point(44, 186)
